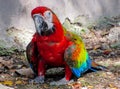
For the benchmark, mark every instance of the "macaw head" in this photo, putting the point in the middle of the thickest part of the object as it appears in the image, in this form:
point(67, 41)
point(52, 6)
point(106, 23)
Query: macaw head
point(45, 21)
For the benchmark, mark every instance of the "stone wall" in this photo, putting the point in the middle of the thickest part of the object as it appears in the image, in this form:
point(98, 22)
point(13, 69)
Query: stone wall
point(17, 13)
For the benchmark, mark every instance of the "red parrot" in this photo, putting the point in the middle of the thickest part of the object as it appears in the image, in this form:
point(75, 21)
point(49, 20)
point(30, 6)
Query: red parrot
point(53, 46)
point(48, 44)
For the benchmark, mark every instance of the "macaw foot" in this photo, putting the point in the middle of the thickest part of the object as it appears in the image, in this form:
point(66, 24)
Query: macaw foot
point(63, 81)
point(38, 79)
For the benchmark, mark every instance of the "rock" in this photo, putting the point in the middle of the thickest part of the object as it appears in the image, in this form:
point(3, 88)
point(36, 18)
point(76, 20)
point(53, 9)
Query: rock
point(57, 70)
point(115, 45)
point(119, 78)
point(84, 20)
point(75, 27)
point(19, 39)
point(114, 34)
point(25, 72)
point(105, 46)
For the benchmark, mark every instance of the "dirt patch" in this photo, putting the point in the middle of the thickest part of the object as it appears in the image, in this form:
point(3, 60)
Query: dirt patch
point(100, 51)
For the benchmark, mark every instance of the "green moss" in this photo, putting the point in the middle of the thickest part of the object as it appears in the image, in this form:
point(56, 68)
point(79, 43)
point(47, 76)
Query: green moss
point(7, 51)
point(115, 45)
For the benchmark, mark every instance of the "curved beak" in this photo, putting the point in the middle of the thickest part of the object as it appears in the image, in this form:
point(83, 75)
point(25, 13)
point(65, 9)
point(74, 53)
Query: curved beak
point(40, 23)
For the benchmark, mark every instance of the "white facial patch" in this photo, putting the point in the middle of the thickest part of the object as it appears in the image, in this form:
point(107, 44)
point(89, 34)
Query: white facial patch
point(48, 15)
point(48, 18)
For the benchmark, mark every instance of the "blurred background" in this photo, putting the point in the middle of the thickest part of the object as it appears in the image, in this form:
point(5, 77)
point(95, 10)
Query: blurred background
point(17, 27)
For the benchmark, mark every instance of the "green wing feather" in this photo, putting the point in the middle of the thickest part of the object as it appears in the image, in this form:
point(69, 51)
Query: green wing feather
point(76, 52)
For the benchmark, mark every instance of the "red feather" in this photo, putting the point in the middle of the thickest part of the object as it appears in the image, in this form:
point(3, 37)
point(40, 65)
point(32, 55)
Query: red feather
point(51, 48)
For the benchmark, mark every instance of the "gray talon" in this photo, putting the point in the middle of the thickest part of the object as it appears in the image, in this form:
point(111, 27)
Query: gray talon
point(39, 79)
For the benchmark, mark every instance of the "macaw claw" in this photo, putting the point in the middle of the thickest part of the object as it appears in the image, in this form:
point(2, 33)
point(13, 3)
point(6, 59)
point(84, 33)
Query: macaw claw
point(39, 79)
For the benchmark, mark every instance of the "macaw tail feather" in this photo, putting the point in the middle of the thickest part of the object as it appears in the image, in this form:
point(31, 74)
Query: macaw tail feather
point(95, 67)
point(91, 65)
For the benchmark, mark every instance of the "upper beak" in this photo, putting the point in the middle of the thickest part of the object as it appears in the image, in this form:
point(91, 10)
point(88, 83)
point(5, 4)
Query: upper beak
point(40, 23)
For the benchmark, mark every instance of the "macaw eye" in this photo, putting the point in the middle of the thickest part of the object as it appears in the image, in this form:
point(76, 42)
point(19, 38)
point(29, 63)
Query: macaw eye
point(48, 16)
point(75, 39)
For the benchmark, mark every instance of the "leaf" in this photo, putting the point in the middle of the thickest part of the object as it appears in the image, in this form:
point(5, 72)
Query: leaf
point(7, 63)
point(76, 85)
point(97, 47)
point(18, 82)
point(104, 33)
point(3, 77)
point(90, 87)
point(8, 83)
point(112, 86)
point(107, 51)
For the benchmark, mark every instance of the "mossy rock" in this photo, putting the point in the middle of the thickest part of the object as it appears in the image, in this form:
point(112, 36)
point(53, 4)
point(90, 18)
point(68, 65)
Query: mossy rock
point(7, 51)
